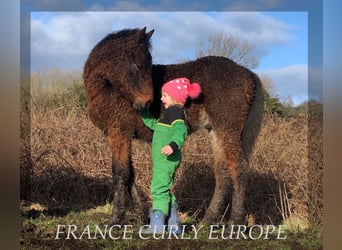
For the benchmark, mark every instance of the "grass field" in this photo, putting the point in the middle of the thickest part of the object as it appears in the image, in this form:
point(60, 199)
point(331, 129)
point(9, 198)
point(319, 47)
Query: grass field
point(86, 230)
point(66, 176)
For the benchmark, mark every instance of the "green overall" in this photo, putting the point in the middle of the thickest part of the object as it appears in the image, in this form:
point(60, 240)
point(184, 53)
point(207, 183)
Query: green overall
point(169, 129)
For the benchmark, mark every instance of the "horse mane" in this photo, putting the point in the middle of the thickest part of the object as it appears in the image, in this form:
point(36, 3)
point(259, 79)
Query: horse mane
point(120, 35)
point(124, 32)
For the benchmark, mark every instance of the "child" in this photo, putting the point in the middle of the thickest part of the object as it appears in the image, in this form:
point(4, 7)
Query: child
point(169, 135)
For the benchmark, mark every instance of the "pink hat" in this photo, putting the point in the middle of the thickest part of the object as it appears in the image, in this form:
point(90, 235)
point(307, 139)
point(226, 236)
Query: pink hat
point(180, 89)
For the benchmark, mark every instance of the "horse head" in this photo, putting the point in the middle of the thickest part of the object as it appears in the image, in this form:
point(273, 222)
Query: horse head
point(137, 71)
point(121, 62)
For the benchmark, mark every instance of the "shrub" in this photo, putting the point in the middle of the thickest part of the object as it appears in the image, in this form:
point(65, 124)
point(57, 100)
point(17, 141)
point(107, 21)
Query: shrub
point(67, 160)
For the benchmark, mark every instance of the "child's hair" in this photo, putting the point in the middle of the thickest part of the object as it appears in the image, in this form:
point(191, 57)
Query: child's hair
point(177, 103)
point(180, 89)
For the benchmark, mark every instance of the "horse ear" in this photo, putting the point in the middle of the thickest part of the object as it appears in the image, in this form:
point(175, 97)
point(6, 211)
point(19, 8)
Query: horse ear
point(141, 34)
point(149, 34)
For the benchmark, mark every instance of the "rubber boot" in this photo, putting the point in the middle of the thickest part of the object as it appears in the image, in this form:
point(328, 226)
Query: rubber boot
point(157, 221)
point(173, 224)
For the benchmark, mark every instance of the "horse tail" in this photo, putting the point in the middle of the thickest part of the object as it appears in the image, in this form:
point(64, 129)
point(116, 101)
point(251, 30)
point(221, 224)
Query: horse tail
point(254, 118)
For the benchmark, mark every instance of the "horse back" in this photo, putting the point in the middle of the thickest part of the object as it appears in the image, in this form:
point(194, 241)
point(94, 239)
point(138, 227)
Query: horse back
point(230, 94)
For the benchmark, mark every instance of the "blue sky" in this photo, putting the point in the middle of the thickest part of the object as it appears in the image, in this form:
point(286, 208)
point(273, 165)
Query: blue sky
point(64, 39)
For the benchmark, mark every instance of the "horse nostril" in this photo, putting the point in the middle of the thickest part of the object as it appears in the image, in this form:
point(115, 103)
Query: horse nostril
point(139, 105)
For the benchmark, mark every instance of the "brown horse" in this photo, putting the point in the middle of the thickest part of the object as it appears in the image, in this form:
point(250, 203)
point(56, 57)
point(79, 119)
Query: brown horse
point(118, 81)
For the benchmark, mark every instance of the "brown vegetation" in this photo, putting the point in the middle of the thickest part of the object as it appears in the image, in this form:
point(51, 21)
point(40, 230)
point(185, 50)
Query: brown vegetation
point(66, 164)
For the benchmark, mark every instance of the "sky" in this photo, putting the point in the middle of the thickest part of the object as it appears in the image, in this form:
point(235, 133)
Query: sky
point(63, 39)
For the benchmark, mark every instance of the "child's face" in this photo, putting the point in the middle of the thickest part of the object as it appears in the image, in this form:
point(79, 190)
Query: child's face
point(166, 100)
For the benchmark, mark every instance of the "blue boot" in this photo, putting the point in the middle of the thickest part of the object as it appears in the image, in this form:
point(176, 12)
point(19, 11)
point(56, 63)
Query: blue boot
point(173, 224)
point(157, 222)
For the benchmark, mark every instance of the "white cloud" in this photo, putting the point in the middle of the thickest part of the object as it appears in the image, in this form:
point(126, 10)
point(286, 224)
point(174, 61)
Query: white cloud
point(64, 39)
point(290, 81)
point(255, 27)
point(72, 35)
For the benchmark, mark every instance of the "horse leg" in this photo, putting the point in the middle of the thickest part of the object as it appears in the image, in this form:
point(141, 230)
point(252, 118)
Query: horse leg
point(121, 174)
point(229, 155)
point(139, 204)
point(220, 196)
point(237, 168)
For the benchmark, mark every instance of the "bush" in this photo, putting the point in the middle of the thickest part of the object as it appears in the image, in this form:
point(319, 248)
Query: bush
point(67, 91)
point(68, 160)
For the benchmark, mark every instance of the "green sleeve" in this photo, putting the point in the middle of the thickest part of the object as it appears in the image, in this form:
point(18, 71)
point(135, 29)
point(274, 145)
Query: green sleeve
point(148, 119)
point(178, 133)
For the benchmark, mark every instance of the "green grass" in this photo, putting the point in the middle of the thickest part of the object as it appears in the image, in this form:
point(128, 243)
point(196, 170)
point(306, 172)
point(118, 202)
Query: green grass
point(39, 231)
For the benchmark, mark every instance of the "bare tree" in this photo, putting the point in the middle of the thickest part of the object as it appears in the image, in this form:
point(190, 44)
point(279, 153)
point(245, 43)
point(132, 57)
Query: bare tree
point(222, 44)
point(268, 84)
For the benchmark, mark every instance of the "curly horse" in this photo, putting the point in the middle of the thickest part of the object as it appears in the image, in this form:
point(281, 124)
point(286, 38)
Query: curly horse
point(120, 79)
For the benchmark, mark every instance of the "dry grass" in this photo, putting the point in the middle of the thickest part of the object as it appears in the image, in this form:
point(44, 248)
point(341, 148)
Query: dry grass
point(67, 163)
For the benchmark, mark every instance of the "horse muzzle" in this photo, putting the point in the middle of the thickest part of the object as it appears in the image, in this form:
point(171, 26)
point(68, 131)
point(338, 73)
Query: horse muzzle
point(138, 105)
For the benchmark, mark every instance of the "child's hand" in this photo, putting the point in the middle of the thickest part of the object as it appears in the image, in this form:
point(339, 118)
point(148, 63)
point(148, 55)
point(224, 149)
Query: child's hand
point(167, 150)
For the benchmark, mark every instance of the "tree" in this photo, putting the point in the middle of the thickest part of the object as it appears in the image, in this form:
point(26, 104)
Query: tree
point(272, 103)
point(222, 44)
point(241, 52)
